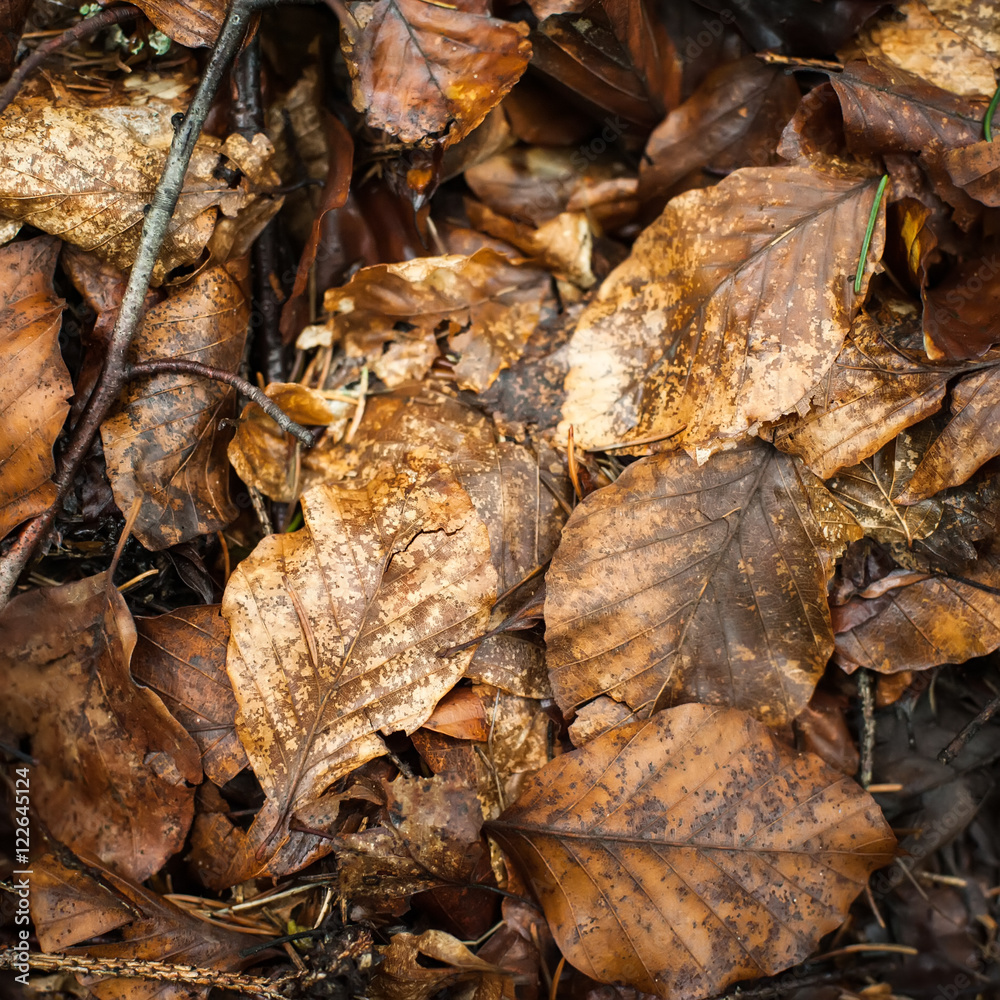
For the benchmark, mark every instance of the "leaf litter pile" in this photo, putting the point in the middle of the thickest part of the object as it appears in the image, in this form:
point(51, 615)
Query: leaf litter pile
point(500, 501)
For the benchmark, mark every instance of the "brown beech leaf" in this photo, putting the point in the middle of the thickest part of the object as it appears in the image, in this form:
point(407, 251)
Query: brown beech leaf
point(976, 169)
point(707, 583)
point(86, 175)
point(933, 39)
point(880, 384)
point(520, 500)
point(336, 631)
point(730, 308)
point(683, 853)
point(34, 383)
point(968, 440)
point(190, 24)
point(403, 976)
point(888, 110)
point(163, 444)
point(70, 905)
point(733, 119)
point(182, 657)
point(487, 305)
point(961, 314)
point(274, 462)
point(115, 768)
point(425, 73)
point(927, 623)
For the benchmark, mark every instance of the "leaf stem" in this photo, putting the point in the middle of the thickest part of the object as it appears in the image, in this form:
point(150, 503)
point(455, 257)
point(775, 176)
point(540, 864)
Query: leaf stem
point(154, 230)
point(82, 29)
point(990, 112)
point(165, 366)
point(860, 273)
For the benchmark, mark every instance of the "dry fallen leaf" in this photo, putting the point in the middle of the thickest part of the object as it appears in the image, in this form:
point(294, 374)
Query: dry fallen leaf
point(163, 443)
point(684, 853)
point(706, 583)
point(70, 905)
point(34, 383)
point(730, 309)
point(880, 384)
point(188, 23)
point(336, 631)
point(86, 175)
point(486, 304)
point(115, 768)
point(424, 72)
point(182, 657)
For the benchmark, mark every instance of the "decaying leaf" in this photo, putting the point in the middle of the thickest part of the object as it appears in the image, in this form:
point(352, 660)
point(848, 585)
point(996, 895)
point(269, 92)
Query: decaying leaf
point(70, 905)
point(86, 175)
point(423, 72)
point(336, 631)
point(487, 305)
point(684, 853)
point(186, 22)
point(402, 976)
point(164, 443)
point(705, 583)
point(926, 623)
point(34, 382)
point(115, 769)
point(274, 462)
point(730, 309)
point(182, 657)
point(881, 383)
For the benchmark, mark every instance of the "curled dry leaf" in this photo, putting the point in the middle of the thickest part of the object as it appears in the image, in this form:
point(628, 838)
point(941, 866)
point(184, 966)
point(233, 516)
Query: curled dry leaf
point(274, 462)
point(967, 442)
point(683, 853)
point(403, 976)
point(336, 631)
point(182, 657)
point(164, 444)
point(427, 73)
point(34, 383)
point(70, 905)
point(880, 384)
point(115, 769)
point(730, 308)
point(706, 583)
point(927, 623)
point(86, 175)
point(190, 24)
point(486, 304)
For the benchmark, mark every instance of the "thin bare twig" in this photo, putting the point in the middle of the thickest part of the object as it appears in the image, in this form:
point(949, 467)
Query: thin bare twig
point(955, 747)
point(154, 230)
point(133, 968)
point(162, 366)
point(82, 29)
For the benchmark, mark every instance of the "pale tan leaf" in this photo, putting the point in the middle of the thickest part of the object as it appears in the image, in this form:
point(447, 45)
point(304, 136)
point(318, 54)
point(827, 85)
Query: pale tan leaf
point(336, 631)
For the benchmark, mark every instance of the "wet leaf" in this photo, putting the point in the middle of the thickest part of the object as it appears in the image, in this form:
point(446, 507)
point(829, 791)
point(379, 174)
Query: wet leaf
point(115, 768)
point(926, 623)
point(706, 583)
point(187, 23)
point(880, 384)
point(336, 630)
point(683, 853)
point(86, 175)
point(182, 657)
point(70, 905)
point(731, 307)
point(163, 444)
point(424, 72)
point(34, 383)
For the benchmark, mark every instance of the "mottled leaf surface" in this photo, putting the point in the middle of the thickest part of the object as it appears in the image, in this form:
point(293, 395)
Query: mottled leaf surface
point(683, 853)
